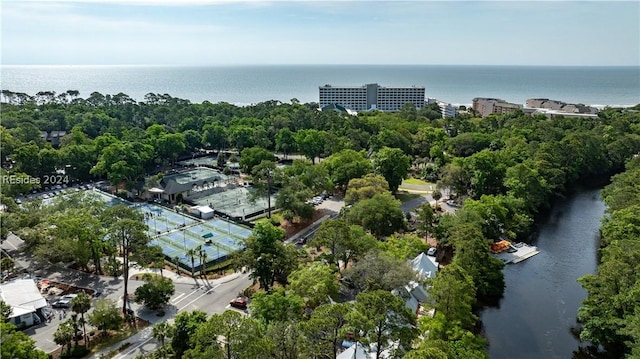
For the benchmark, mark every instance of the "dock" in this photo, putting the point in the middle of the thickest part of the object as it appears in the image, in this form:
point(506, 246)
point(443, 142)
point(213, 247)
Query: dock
point(522, 252)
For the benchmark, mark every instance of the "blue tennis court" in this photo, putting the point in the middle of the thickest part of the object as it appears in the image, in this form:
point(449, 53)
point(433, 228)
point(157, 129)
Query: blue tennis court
point(177, 233)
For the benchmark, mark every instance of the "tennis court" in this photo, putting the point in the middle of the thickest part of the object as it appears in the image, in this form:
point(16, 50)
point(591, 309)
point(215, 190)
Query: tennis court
point(235, 201)
point(216, 238)
point(177, 233)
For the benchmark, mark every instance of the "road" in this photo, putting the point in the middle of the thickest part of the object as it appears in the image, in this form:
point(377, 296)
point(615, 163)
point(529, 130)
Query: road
point(209, 297)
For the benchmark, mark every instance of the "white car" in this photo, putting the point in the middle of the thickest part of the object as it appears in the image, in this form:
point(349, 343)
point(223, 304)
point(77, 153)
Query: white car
point(64, 301)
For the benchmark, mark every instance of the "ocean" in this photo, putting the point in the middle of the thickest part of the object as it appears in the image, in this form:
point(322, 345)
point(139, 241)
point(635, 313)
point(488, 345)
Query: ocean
point(243, 85)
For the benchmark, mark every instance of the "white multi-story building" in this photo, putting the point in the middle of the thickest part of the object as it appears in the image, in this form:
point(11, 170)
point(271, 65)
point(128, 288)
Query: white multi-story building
point(371, 97)
point(448, 110)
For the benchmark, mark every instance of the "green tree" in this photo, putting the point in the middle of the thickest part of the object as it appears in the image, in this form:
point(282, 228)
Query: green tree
point(192, 253)
point(292, 200)
point(426, 218)
point(105, 315)
point(252, 157)
point(380, 214)
point(83, 230)
point(240, 136)
point(161, 332)
point(285, 141)
point(383, 319)
point(266, 256)
point(78, 160)
point(316, 283)
point(488, 171)
point(314, 177)
point(263, 177)
point(404, 246)
point(185, 326)
point(64, 335)
point(276, 306)
point(391, 139)
point(524, 181)
point(335, 235)
point(170, 146)
point(474, 257)
point(287, 340)
point(379, 271)
point(214, 136)
point(393, 165)
point(5, 311)
point(155, 293)
point(455, 178)
point(129, 233)
point(311, 143)
point(346, 165)
point(81, 304)
point(192, 140)
point(453, 294)
point(365, 188)
point(227, 336)
point(28, 159)
point(17, 345)
point(324, 329)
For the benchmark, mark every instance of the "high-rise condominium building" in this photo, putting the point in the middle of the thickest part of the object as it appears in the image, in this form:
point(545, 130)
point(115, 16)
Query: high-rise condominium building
point(371, 97)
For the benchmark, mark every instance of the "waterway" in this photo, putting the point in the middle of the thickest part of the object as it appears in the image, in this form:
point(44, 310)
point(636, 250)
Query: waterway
point(535, 317)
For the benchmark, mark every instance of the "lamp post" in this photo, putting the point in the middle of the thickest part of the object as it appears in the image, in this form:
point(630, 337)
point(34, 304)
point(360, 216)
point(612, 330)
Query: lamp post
point(268, 193)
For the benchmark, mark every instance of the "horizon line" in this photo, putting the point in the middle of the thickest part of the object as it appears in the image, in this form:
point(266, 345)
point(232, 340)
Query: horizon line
point(301, 64)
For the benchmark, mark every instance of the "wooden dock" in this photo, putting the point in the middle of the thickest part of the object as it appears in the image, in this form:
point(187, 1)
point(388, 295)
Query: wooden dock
point(523, 251)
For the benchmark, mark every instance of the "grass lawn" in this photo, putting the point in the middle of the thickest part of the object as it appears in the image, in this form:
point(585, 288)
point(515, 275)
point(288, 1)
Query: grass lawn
point(415, 181)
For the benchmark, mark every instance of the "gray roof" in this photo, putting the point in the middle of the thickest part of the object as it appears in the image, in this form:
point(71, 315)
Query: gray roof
point(425, 266)
point(184, 181)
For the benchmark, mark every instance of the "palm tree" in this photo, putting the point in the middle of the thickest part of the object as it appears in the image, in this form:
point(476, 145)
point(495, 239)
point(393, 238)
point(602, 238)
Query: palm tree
point(436, 195)
point(176, 259)
point(81, 304)
point(203, 258)
point(74, 324)
point(64, 335)
point(192, 253)
point(162, 331)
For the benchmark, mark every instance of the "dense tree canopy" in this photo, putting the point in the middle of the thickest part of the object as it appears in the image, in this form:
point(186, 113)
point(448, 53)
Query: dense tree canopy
point(505, 169)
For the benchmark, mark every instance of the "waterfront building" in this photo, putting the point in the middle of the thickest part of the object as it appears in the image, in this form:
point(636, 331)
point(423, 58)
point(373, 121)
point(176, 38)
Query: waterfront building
point(448, 110)
point(559, 106)
point(371, 97)
point(485, 106)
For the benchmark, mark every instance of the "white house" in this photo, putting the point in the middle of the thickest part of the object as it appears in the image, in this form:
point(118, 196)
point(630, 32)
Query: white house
point(425, 266)
point(24, 298)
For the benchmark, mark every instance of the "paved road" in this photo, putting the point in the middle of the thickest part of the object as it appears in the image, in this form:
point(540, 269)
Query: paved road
point(208, 296)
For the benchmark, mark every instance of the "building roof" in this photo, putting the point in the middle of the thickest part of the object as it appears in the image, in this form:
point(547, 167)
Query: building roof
point(356, 351)
point(425, 266)
point(22, 295)
point(203, 209)
point(184, 181)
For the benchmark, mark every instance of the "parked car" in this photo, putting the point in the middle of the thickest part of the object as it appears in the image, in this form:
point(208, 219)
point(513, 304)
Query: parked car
point(453, 203)
point(431, 251)
point(239, 302)
point(64, 301)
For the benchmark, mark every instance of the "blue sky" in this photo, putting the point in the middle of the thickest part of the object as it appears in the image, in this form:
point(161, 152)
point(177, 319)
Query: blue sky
point(208, 32)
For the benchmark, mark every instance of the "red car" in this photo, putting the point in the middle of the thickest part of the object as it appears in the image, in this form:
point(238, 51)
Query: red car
point(239, 303)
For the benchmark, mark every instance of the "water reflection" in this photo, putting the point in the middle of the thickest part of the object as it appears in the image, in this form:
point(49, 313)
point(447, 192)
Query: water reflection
point(536, 316)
